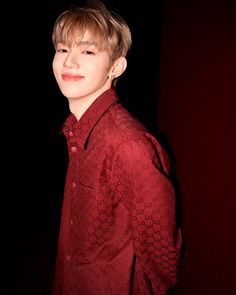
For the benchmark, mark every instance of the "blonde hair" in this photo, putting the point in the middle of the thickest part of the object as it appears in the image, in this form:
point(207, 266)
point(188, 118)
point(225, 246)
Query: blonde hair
point(108, 30)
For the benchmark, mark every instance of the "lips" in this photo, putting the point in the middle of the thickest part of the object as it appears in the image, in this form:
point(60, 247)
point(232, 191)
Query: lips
point(71, 77)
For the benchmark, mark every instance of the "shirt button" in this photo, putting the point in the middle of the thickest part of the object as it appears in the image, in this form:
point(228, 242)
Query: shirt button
point(71, 221)
point(73, 149)
point(73, 184)
point(68, 257)
point(71, 133)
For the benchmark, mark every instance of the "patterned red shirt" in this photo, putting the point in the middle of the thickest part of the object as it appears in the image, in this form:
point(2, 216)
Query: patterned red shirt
point(118, 230)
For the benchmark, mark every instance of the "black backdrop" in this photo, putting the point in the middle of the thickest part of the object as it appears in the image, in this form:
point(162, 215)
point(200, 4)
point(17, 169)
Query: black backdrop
point(181, 68)
point(34, 152)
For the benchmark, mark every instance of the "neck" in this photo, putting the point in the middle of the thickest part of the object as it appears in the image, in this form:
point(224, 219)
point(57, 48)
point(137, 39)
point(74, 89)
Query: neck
point(78, 106)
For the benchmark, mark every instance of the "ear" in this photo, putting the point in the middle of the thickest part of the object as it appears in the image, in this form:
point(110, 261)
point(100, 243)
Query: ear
point(118, 67)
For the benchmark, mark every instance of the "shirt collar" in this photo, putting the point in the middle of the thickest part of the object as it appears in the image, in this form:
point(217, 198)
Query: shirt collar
point(82, 128)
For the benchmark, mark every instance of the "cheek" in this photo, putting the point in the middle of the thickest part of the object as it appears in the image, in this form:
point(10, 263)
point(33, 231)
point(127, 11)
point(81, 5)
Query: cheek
point(101, 69)
point(101, 66)
point(55, 67)
point(57, 61)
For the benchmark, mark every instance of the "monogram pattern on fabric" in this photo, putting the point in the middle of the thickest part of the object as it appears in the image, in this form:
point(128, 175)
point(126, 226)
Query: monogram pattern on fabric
point(118, 230)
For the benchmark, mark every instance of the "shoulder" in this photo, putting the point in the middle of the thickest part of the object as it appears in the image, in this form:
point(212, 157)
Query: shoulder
point(123, 125)
point(130, 140)
point(142, 149)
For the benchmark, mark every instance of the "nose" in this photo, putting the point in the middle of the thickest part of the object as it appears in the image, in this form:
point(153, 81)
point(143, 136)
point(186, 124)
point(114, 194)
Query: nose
point(71, 60)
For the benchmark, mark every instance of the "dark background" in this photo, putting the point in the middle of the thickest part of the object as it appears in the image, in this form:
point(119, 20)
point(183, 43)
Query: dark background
point(180, 77)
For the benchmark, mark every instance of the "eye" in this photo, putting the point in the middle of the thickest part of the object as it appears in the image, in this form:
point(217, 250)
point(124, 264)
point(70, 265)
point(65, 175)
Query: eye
point(88, 52)
point(62, 50)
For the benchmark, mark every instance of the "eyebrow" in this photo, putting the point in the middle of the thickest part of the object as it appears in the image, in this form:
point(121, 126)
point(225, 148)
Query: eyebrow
point(84, 43)
point(87, 43)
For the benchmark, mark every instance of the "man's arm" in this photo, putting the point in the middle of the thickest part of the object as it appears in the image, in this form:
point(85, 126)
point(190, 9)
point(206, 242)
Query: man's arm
point(150, 198)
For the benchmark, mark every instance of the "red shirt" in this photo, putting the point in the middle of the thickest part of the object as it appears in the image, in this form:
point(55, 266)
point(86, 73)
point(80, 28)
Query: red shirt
point(118, 230)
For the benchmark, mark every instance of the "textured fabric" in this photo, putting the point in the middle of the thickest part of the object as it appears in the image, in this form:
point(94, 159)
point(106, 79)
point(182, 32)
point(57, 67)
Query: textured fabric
point(118, 230)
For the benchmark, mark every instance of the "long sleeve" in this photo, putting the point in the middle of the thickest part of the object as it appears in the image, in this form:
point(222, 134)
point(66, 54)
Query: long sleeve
point(141, 173)
point(118, 232)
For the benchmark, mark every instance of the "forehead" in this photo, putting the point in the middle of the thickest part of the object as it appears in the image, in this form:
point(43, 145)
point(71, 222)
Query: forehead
point(79, 37)
point(86, 37)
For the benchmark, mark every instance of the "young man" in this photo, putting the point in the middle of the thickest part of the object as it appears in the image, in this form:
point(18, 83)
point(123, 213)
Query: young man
point(118, 230)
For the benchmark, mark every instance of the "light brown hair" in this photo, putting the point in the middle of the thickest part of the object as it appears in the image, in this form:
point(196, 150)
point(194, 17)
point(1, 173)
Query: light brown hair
point(108, 30)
